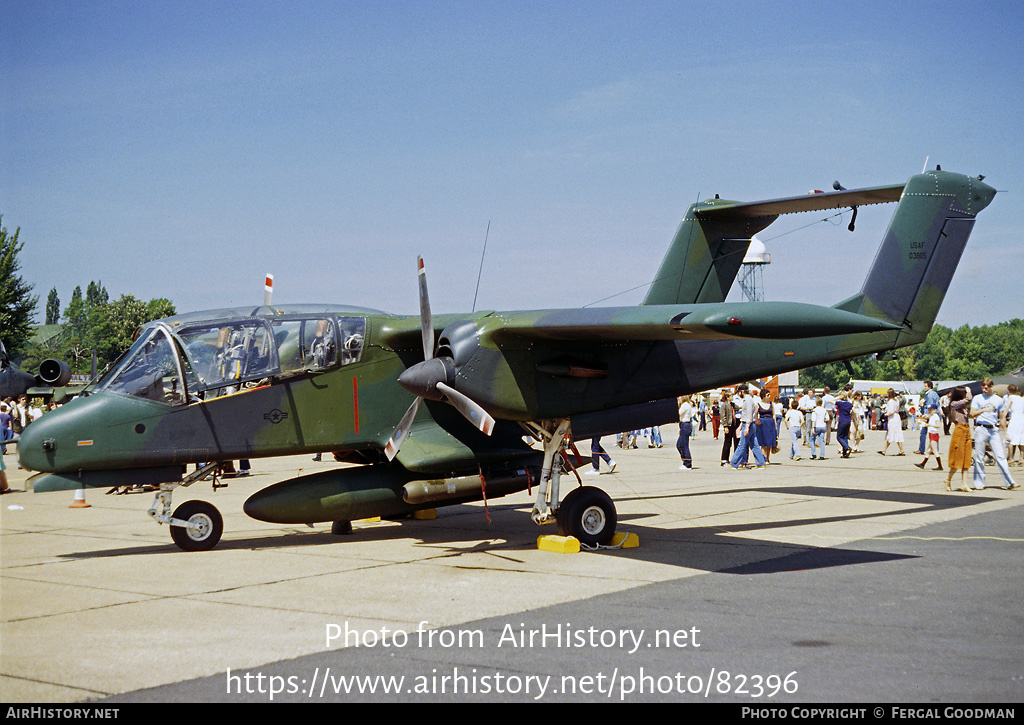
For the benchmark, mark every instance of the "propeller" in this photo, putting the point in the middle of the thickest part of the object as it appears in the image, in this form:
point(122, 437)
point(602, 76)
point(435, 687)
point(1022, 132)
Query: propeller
point(431, 379)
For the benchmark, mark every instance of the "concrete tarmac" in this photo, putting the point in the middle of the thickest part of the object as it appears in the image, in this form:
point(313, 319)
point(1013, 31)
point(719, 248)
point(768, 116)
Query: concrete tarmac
point(856, 580)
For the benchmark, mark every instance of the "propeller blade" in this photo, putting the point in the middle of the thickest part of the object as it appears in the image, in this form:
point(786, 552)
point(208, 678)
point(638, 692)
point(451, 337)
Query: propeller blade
point(268, 290)
point(426, 320)
point(472, 411)
point(424, 379)
point(402, 431)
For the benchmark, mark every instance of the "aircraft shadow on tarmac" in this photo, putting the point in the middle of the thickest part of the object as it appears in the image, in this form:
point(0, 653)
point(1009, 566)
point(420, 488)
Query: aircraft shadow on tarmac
point(722, 549)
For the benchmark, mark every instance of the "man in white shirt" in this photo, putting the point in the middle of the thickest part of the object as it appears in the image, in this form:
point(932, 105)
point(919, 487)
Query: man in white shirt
point(829, 401)
point(806, 405)
point(989, 416)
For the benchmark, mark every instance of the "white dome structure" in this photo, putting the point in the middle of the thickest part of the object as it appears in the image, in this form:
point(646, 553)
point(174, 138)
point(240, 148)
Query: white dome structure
point(757, 253)
point(751, 281)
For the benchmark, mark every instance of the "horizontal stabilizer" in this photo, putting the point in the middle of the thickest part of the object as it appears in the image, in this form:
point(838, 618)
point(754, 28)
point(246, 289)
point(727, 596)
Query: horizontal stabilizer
point(717, 209)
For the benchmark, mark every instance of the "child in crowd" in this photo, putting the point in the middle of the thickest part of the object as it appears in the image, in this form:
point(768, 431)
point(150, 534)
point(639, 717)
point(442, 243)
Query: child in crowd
point(934, 426)
point(794, 421)
point(818, 435)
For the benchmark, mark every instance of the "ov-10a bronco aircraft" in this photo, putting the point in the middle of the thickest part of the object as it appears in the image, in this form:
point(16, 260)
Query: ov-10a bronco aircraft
point(436, 407)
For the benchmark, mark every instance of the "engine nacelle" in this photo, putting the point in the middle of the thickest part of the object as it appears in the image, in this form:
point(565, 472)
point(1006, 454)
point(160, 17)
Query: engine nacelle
point(55, 373)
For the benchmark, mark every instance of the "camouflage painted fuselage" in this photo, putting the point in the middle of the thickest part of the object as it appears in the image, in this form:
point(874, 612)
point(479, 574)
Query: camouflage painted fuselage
point(586, 365)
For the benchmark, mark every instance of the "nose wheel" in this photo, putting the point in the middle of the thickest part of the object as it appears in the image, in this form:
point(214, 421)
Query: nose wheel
point(200, 526)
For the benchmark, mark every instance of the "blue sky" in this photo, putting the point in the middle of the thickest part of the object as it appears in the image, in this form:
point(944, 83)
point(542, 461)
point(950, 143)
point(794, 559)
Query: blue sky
point(184, 149)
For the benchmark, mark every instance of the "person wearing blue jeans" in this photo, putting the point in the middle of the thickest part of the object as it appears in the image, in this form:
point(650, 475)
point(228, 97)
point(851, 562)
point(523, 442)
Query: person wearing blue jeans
point(794, 421)
point(989, 415)
point(818, 428)
point(748, 442)
point(844, 420)
point(930, 398)
point(686, 414)
point(747, 432)
point(597, 453)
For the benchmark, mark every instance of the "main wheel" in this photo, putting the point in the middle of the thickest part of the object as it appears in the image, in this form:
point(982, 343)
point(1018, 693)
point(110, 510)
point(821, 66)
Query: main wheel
point(208, 526)
point(588, 514)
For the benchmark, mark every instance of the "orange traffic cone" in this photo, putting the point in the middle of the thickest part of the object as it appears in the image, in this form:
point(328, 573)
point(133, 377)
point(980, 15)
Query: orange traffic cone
point(80, 500)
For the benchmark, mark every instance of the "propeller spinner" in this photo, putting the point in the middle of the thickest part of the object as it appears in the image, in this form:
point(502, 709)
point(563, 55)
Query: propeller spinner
point(431, 379)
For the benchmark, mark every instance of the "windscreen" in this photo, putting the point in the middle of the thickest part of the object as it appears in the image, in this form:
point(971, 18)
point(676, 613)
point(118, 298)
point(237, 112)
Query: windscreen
point(222, 357)
point(149, 370)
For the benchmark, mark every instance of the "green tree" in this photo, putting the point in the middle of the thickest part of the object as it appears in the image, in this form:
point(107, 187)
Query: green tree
point(96, 295)
point(53, 308)
point(108, 328)
point(967, 353)
point(126, 314)
point(159, 308)
point(75, 314)
point(78, 343)
point(17, 303)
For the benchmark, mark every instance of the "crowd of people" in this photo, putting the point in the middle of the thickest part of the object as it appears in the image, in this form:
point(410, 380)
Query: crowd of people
point(756, 425)
point(16, 414)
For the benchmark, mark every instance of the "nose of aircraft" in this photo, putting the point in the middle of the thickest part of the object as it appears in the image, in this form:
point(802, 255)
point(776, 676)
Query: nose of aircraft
point(32, 453)
point(65, 439)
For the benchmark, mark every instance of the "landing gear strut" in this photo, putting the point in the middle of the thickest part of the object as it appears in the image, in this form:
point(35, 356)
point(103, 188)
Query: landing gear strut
point(195, 525)
point(586, 512)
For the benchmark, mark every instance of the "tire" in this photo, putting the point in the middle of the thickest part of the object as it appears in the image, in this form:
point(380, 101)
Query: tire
point(207, 517)
point(588, 514)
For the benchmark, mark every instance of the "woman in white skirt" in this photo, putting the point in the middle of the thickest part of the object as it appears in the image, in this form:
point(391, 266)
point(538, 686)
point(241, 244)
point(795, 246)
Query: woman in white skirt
point(894, 426)
point(1015, 428)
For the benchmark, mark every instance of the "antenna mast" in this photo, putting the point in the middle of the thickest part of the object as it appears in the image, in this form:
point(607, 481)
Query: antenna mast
point(480, 273)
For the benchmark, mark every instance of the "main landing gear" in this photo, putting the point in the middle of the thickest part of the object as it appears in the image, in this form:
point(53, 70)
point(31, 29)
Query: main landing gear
point(586, 513)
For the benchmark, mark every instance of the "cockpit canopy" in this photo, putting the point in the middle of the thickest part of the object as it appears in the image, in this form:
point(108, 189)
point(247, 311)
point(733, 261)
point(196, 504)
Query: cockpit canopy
point(204, 360)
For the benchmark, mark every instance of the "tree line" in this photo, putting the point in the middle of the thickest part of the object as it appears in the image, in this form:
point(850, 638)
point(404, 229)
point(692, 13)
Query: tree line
point(966, 353)
point(91, 321)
